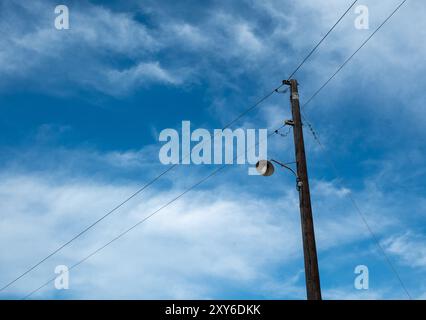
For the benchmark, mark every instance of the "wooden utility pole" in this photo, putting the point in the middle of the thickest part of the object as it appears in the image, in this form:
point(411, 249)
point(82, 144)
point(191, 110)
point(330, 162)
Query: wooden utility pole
point(313, 288)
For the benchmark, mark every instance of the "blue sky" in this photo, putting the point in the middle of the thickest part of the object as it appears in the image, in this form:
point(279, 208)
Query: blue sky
point(81, 113)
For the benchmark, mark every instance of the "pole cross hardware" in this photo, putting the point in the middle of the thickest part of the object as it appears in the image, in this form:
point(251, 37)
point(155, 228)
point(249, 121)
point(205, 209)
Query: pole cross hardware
point(289, 123)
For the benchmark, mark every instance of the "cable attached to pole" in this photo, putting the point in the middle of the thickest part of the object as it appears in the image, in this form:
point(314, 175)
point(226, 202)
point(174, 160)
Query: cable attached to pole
point(321, 41)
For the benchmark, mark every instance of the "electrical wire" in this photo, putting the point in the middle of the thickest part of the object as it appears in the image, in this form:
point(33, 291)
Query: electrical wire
point(360, 213)
point(283, 134)
point(350, 58)
point(321, 41)
point(147, 217)
point(316, 138)
point(139, 191)
point(256, 104)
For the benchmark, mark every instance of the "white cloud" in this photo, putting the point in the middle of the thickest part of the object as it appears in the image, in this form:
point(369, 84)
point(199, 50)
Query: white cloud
point(353, 294)
point(223, 41)
point(247, 39)
point(81, 55)
point(191, 36)
point(409, 248)
point(182, 245)
point(326, 188)
point(222, 234)
point(119, 82)
point(35, 208)
point(142, 71)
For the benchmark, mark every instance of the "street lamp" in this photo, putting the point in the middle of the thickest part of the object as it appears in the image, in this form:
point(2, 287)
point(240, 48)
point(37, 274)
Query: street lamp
point(266, 169)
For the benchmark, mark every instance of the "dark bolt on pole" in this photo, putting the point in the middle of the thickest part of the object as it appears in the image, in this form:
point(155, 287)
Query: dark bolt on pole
point(313, 288)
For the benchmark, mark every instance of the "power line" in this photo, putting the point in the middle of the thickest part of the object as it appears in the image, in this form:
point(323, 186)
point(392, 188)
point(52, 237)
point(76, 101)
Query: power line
point(86, 229)
point(257, 103)
point(252, 107)
point(140, 190)
point(147, 217)
point(135, 225)
point(360, 213)
point(352, 199)
point(356, 51)
point(321, 41)
point(222, 167)
point(283, 134)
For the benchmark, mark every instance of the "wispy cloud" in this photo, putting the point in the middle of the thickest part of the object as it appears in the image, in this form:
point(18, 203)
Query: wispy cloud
point(186, 243)
point(220, 235)
point(409, 248)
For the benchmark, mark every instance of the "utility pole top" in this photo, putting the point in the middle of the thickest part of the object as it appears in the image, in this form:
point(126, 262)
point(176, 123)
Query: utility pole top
point(288, 82)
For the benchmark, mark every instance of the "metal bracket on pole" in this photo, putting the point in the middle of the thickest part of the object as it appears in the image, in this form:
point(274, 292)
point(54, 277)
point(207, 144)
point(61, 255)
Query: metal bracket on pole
point(295, 96)
point(299, 184)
